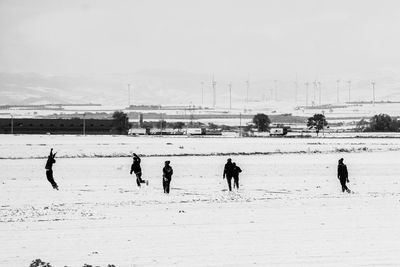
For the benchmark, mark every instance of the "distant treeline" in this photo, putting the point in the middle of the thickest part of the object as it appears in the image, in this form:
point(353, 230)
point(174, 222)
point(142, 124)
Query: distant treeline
point(379, 123)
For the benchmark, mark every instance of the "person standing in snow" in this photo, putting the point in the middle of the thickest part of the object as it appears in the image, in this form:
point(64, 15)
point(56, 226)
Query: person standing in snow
point(167, 176)
point(236, 170)
point(135, 168)
point(228, 173)
point(49, 169)
point(343, 175)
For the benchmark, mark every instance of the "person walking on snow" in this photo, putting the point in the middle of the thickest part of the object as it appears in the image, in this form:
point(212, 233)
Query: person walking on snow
point(236, 171)
point(167, 176)
point(343, 176)
point(49, 169)
point(228, 173)
point(135, 168)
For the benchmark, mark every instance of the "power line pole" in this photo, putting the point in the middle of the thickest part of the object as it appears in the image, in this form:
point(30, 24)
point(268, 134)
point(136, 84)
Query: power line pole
point(84, 124)
point(337, 90)
point(373, 93)
point(240, 125)
point(187, 123)
point(12, 124)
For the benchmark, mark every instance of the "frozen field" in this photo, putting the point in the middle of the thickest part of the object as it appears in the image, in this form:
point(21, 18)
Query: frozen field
point(289, 211)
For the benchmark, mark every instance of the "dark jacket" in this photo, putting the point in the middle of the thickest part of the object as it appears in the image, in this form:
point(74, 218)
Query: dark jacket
point(342, 171)
point(228, 170)
point(136, 165)
point(167, 172)
point(236, 171)
point(50, 162)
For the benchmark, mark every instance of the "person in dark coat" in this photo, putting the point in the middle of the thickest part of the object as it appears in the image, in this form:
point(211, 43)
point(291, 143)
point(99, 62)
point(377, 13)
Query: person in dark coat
point(49, 169)
point(167, 176)
point(343, 175)
point(135, 168)
point(228, 173)
point(236, 171)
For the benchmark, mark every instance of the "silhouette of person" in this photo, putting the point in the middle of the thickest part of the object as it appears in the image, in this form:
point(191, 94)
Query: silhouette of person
point(236, 171)
point(228, 173)
point(49, 169)
point(167, 176)
point(135, 168)
point(343, 175)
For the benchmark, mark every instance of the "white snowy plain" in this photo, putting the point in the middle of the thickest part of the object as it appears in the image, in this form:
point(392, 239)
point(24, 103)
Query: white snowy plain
point(289, 210)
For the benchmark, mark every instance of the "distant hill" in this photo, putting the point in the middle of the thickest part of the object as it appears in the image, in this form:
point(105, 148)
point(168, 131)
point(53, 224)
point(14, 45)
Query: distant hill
point(146, 87)
point(176, 87)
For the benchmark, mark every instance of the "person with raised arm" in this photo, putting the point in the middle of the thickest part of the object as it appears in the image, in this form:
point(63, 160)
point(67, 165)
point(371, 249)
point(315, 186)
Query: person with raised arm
point(135, 168)
point(49, 169)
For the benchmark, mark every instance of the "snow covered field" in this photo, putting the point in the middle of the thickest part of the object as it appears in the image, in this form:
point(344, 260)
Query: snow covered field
point(289, 210)
point(69, 146)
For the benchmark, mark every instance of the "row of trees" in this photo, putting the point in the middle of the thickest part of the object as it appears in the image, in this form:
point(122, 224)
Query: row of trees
point(261, 121)
point(121, 124)
point(379, 123)
point(317, 122)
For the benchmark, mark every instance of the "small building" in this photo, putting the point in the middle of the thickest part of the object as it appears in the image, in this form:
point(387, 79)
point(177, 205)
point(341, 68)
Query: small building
point(195, 131)
point(279, 130)
point(137, 131)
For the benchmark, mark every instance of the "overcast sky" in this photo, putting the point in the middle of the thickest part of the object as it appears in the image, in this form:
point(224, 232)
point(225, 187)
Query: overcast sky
point(308, 37)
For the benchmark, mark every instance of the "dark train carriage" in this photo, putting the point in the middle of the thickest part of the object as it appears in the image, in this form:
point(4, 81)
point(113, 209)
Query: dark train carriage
point(55, 126)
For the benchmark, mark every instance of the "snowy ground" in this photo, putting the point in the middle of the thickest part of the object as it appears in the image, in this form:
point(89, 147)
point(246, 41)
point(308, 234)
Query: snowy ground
point(38, 146)
point(288, 212)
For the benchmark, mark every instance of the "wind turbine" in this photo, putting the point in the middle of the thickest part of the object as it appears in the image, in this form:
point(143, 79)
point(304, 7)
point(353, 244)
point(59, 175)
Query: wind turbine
point(320, 92)
point(337, 90)
point(349, 82)
point(230, 95)
point(129, 95)
point(247, 89)
point(373, 92)
point(306, 84)
point(214, 86)
point(202, 93)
